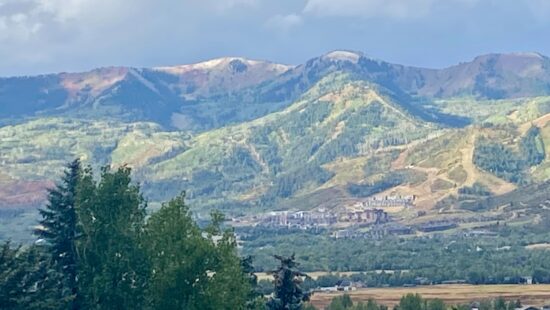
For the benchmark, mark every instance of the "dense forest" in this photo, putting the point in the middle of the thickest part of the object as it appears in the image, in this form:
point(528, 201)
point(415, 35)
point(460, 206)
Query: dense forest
point(507, 163)
point(97, 248)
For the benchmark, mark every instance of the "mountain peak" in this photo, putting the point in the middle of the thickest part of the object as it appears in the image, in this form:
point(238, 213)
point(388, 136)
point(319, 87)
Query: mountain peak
point(527, 55)
point(236, 64)
point(510, 56)
point(343, 55)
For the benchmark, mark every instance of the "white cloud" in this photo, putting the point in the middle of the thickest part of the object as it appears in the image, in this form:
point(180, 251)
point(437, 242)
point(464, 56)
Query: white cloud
point(24, 19)
point(17, 26)
point(37, 32)
point(398, 9)
point(38, 36)
point(284, 22)
point(63, 10)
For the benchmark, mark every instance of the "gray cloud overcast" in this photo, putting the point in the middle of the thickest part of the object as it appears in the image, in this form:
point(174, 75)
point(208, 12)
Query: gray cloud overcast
point(38, 36)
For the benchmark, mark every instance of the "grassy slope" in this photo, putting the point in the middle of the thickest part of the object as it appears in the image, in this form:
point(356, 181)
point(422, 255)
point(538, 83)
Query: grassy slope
point(333, 122)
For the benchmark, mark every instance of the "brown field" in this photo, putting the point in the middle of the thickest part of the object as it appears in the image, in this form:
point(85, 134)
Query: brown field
point(450, 294)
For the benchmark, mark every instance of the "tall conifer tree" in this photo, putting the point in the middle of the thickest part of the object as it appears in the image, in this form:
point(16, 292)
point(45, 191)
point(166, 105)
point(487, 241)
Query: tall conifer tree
point(288, 294)
point(58, 227)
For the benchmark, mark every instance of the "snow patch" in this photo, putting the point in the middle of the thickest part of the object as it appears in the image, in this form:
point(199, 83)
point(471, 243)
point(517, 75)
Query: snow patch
point(343, 56)
point(144, 81)
point(221, 63)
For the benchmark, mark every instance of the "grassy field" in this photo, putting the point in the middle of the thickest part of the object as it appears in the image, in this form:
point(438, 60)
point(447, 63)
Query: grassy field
point(450, 294)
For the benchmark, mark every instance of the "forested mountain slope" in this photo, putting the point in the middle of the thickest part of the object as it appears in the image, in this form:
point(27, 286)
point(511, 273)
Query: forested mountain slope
point(249, 136)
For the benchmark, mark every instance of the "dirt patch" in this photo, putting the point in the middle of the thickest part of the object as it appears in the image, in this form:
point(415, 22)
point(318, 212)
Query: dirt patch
point(441, 185)
point(458, 174)
point(538, 246)
point(539, 122)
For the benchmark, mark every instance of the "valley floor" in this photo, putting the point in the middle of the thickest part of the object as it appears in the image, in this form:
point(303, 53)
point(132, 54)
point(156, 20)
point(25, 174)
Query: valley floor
point(453, 294)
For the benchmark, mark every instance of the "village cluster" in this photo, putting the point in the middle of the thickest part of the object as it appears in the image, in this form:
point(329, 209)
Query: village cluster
point(367, 218)
point(368, 211)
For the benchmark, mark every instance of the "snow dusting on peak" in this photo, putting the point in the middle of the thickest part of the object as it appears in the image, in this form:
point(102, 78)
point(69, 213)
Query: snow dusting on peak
point(223, 63)
point(343, 56)
point(528, 55)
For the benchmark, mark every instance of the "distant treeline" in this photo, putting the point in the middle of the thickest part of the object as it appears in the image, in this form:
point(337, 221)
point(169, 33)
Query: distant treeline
point(474, 259)
point(416, 302)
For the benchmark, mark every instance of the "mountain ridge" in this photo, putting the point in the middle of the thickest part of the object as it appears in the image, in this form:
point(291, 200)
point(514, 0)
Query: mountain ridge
point(249, 136)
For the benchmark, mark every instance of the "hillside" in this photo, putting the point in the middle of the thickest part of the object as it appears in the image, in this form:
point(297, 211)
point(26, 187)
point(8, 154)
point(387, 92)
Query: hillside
point(250, 136)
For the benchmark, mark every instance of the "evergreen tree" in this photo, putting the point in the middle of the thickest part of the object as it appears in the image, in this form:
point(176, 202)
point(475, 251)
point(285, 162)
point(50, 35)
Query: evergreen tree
point(411, 302)
point(341, 303)
point(308, 306)
point(288, 294)
point(436, 304)
point(27, 281)
point(58, 227)
point(499, 304)
point(372, 305)
point(112, 263)
point(485, 305)
point(360, 306)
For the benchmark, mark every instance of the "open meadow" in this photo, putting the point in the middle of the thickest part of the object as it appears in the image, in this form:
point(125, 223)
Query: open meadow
point(451, 294)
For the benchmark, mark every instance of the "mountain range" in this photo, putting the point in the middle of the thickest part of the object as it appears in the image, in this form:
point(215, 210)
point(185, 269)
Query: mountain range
point(248, 136)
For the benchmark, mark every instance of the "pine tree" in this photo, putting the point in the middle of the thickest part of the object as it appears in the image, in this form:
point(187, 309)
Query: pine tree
point(411, 302)
point(436, 304)
point(13, 285)
point(27, 281)
point(372, 305)
point(288, 295)
point(341, 302)
point(499, 304)
point(308, 306)
point(58, 227)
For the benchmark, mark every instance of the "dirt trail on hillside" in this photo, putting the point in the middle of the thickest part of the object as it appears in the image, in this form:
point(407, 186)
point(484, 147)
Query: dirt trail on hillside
point(468, 160)
point(257, 157)
point(497, 185)
point(425, 193)
point(428, 193)
point(539, 122)
point(400, 162)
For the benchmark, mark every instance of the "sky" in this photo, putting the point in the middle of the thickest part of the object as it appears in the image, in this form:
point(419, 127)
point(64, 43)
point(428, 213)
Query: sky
point(44, 36)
